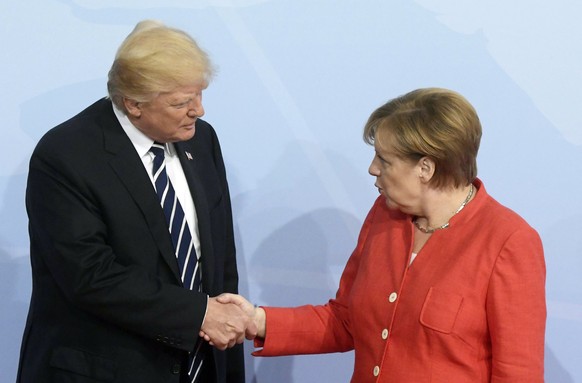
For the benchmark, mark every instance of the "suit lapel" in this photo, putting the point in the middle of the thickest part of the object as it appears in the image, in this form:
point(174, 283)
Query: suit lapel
point(129, 168)
point(186, 153)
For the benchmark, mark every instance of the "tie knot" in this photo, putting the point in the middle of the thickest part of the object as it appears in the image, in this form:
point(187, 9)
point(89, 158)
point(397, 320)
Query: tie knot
point(157, 149)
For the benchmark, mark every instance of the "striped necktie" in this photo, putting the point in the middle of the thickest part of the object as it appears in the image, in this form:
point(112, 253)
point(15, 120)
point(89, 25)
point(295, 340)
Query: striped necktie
point(190, 266)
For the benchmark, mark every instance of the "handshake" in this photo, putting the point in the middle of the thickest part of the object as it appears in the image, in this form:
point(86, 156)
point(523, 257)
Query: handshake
point(230, 318)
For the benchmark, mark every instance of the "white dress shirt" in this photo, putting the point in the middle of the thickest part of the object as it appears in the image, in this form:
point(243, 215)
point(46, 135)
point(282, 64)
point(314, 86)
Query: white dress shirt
point(142, 145)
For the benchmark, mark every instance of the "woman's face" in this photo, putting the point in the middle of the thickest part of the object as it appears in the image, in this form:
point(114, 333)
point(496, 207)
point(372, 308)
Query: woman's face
point(397, 179)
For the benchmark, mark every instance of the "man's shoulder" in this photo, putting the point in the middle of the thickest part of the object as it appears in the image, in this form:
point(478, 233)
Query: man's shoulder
point(79, 133)
point(203, 130)
point(205, 136)
point(88, 116)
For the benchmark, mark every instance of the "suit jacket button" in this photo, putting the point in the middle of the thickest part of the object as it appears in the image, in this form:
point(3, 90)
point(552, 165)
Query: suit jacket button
point(176, 369)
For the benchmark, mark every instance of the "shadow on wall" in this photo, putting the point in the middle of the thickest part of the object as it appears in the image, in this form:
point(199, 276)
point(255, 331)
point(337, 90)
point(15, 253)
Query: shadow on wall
point(15, 279)
point(15, 274)
point(63, 102)
point(13, 312)
point(296, 265)
point(295, 246)
point(243, 289)
point(554, 372)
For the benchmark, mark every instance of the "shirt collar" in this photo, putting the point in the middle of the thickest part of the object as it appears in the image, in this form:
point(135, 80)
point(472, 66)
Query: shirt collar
point(140, 141)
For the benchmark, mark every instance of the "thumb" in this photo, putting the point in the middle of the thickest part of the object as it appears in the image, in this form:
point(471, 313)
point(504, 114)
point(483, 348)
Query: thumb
point(228, 298)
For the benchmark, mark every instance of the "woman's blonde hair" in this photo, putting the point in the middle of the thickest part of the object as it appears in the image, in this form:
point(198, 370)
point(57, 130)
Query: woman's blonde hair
point(154, 59)
point(436, 123)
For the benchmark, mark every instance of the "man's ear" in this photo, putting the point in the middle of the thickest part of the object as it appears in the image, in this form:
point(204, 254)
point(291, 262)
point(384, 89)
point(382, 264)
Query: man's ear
point(133, 107)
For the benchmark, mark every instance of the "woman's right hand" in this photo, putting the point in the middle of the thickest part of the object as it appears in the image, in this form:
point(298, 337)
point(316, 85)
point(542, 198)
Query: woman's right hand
point(257, 314)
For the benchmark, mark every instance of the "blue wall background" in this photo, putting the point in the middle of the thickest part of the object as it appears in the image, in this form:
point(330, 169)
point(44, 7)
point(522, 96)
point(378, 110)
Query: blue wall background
point(297, 80)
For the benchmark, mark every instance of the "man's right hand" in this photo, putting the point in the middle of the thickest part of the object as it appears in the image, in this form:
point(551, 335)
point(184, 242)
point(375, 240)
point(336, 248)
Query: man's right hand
point(257, 314)
point(226, 324)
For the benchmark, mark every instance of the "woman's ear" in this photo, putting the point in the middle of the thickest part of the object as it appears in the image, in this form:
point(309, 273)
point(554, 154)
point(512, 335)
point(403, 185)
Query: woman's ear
point(426, 168)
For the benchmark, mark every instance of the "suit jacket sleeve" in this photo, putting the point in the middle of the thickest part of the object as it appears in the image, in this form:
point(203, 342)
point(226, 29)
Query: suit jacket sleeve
point(229, 266)
point(235, 371)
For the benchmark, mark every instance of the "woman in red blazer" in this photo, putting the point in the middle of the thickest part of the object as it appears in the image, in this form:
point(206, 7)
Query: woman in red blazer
point(445, 284)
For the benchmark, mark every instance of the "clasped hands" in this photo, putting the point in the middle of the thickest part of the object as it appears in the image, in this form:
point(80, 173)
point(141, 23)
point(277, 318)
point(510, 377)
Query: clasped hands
point(230, 318)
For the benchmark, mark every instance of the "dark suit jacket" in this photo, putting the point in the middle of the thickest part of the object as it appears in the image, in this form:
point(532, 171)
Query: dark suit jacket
point(107, 302)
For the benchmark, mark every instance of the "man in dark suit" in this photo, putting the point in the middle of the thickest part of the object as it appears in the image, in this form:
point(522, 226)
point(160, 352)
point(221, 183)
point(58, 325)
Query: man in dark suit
point(112, 299)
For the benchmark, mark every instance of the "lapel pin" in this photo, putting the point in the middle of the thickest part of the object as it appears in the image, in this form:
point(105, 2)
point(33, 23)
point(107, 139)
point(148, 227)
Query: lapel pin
point(188, 155)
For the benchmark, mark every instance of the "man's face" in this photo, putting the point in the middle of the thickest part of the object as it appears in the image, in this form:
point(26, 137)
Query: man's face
point(169, 117)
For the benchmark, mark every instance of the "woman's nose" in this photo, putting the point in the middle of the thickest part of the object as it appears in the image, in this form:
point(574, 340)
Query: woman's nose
point(373, 169)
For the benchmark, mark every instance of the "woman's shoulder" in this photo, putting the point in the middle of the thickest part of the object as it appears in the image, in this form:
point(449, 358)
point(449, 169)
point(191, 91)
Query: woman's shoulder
point(497, 213)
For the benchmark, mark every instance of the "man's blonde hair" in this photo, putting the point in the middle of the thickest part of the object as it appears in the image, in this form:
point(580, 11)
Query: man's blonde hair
point(154, 59)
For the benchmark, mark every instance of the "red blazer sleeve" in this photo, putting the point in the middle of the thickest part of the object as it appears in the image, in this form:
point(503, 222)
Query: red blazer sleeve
point(316, 329)
point(516, 310)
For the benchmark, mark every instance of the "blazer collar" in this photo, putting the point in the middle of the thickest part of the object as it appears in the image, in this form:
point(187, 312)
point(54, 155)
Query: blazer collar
point(185, 152)
point(126, 163)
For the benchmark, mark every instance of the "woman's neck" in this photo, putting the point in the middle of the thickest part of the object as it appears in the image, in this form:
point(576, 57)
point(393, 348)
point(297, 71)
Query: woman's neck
point(440, 205)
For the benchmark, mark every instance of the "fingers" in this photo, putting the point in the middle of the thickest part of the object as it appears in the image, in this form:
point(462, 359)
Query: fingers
point(227, 298)
point(225, 324)
point(202, 334)
point(238, 300)
point(230, 320)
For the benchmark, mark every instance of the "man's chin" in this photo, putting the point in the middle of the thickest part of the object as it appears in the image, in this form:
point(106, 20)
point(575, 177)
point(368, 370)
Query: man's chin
point(186, 135)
